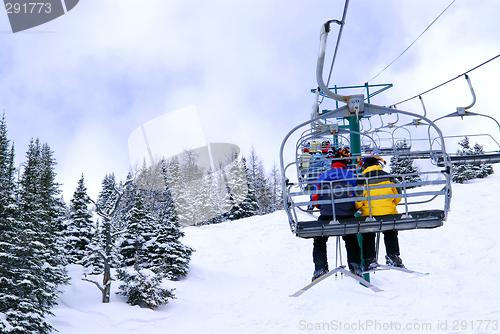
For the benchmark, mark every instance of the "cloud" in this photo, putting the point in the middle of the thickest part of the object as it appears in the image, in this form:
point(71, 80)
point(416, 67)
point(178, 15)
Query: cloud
point(110, 66)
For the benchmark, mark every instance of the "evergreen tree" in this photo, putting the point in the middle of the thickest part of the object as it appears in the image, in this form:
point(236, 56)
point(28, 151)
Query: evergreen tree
point(179, 190)
point(138, 233)
point(464, 172)
point(242, 195)
point(257, 182)
point(151, 181)
point(12, 250)
point(166, 207)
point(54, 207)
point(481, 170)
point(192, 188)
point(150, 241)
point(78, 229)
point(276, 201)
point(109, 194)
point(169, 256)
point(404, 166)
point(143, 288)
point(93, 254)
point(36, 260)
point(222, 194)
point(212, 200)
point(42, 210)
point(7, 170)
point(465, 148)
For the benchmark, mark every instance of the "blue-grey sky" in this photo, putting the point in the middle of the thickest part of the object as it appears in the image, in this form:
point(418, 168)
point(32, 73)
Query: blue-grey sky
point(86, 80)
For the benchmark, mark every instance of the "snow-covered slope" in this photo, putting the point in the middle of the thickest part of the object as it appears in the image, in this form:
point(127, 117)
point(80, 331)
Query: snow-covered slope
point(243, 272)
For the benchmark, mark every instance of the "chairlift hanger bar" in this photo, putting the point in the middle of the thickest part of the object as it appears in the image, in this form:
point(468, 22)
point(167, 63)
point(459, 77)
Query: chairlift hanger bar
point(462, 111)
point(326, 28)
point(355, 102)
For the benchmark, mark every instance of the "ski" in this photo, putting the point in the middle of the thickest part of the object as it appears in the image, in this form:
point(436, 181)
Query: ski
point(384, 267)
point(341, 270)
point(359, 279)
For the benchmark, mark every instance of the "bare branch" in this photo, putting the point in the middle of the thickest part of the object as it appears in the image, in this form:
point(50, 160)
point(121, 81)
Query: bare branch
point(96, 283)
point(98, 209)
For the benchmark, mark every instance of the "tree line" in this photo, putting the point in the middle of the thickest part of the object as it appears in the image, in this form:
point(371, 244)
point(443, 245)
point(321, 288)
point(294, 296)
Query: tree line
point(469, 171)
point(131, 231)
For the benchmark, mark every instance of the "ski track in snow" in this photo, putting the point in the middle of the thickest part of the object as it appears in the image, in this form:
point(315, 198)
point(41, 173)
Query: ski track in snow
point(243, 272)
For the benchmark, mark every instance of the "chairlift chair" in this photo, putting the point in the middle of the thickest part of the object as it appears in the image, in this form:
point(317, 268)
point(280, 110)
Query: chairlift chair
point(435, 186)
point(488, 157)
point(414, 206)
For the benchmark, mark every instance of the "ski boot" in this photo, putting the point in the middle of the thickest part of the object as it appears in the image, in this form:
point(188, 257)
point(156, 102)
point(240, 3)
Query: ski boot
point(355, 268)
point(319, 272)
point(370, 264)
point(394, 260)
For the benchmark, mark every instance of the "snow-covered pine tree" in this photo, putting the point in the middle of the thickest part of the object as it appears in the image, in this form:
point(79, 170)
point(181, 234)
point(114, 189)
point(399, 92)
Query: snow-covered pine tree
point(183, 203)
point(464, 172)
point(127, 201)
point(276, 201)
point(404, 166)
point(39, 266)
point(151, 181)
point(212, 198)
point(243, 200)
point(143, 287)
point(144, 243)
point(170, 258)
point(257, 182)
point(192, 184)
point(165, 201)
point(138, 235)
point(465, 148)
point(92, 259)
point(78, 228)
point(109, 194)
point(50, 193)
point(482, 170)
point(15, 277)
point(222, 194)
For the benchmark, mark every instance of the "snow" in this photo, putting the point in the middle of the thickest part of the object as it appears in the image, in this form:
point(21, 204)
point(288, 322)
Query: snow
point(243, 272)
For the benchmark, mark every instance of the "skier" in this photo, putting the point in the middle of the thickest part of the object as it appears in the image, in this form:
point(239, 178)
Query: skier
point(305, 160)
point(315, 169)
point(372, 169)
point(339, 178)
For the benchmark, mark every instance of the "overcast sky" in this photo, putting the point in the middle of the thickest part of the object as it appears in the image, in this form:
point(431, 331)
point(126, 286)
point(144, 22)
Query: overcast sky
point(85, 81)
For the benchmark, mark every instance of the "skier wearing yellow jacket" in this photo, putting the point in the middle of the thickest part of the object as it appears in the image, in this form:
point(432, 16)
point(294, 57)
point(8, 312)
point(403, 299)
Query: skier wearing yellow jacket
point(375, 176)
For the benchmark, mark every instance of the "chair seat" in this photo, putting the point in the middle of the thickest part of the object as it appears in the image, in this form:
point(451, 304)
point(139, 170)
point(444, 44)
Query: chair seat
point(399, 222)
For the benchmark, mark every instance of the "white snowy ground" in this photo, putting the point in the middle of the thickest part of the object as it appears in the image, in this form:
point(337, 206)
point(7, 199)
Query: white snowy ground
point(243, 272)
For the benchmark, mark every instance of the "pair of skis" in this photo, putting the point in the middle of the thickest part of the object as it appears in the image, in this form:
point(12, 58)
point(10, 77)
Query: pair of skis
point(346, 272)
